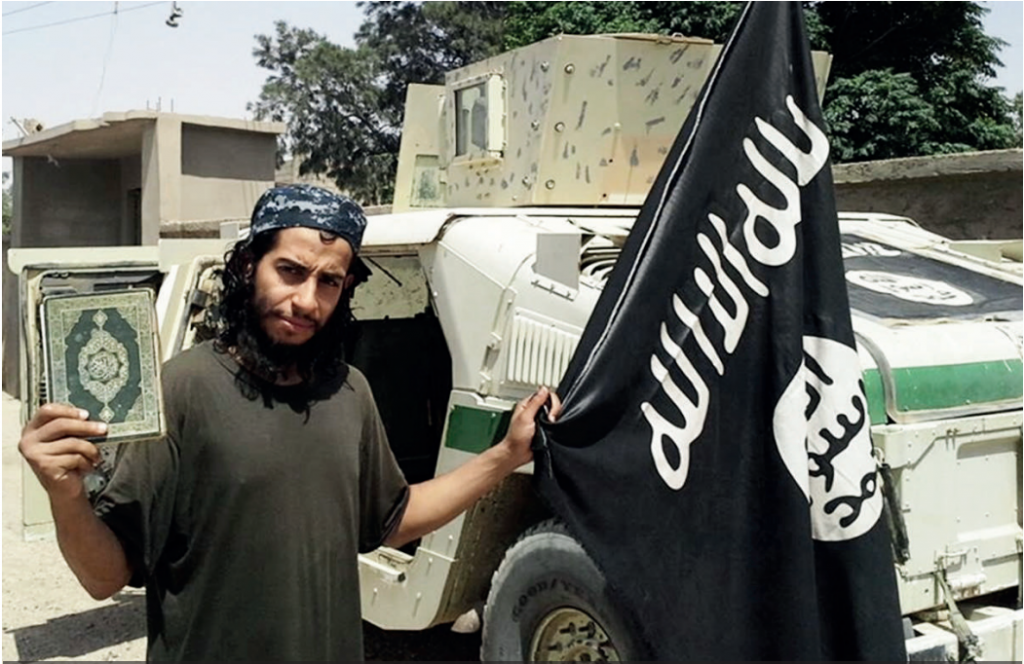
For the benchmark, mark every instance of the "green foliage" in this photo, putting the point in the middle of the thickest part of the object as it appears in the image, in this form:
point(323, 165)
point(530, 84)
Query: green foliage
point(529, 22)
point(910, 79)
point(328, 97)
point(8, 212)
point(924, 39)
point(344, 107)
point(419, 42)
point(878, 115)
point(1017, 114)
point(972, 116)
point(906, 79)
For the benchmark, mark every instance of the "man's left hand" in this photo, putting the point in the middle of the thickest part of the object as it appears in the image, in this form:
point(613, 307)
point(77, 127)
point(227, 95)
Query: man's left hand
point(523, 426)
point(437, 501)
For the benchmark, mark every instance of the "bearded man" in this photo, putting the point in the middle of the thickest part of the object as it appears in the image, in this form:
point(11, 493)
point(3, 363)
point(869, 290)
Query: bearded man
point(244, 524)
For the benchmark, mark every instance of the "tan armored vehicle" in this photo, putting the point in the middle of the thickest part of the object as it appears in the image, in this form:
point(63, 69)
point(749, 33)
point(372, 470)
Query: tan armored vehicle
point(518, 182)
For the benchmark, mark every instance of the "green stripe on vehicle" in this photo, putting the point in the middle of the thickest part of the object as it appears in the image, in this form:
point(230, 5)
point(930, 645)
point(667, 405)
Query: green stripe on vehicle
point(950, 386)
point(917, 388)
point(474, 429)
point(876, 396)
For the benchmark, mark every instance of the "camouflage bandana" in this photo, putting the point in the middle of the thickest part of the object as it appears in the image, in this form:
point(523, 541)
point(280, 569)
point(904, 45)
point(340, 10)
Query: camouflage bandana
point(312, 207)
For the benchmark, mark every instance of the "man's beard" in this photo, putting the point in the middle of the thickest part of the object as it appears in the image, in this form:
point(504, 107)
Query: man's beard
point(269, 359)
point(317, 363)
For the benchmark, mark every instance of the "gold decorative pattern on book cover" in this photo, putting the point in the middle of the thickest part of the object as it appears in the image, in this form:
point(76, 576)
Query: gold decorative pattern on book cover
point(102, 354)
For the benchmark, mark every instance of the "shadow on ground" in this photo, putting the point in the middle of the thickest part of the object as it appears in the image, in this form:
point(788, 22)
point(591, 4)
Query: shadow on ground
point(437, 644)
point(78, 634)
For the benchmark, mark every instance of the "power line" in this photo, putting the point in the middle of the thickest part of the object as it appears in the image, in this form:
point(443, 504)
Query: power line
point(106, 60)
point(25, 9)
point(83, 18)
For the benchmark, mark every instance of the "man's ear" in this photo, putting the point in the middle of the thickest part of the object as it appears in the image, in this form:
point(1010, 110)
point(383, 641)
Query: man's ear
point(248, 266)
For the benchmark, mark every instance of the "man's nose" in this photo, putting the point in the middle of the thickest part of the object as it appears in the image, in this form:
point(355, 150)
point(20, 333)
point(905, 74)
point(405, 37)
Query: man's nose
point(304, 297)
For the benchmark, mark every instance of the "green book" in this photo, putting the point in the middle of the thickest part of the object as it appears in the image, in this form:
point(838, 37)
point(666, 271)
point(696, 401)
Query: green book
point(101, 352)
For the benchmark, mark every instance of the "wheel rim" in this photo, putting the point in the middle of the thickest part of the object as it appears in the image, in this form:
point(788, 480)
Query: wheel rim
point(568, 634)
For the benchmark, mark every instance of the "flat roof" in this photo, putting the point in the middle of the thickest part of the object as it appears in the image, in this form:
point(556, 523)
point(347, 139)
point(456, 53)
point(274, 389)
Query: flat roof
point(117, 134)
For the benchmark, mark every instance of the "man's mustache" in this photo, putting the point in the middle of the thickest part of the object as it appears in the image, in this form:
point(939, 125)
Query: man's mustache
point(264, 308)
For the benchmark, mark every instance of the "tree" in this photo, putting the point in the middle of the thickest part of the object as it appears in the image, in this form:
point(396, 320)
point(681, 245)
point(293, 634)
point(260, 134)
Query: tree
point(1018, 118)
point(878, 114)
point(331, 102)
point(418, 43)
point(529, 22)
point(942, 48)
point(8, 213)
point(344, 107)
point(906, 79)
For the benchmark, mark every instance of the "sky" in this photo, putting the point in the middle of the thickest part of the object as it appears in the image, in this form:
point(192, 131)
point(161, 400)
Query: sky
point(96, 60)
point(133, 60)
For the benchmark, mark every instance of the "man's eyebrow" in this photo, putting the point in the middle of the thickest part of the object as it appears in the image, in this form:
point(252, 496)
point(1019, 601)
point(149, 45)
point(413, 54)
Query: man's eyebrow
point(331, 274)
point(291, 262)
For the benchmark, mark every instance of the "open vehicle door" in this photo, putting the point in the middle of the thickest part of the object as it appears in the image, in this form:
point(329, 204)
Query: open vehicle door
point(167, 270)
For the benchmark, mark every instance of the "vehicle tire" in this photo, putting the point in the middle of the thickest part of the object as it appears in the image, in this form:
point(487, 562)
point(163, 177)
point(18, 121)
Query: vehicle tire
point(549, 602)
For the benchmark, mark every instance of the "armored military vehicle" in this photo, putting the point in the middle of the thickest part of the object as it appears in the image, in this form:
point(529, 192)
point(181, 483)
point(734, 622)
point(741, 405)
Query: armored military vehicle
point(518, 182)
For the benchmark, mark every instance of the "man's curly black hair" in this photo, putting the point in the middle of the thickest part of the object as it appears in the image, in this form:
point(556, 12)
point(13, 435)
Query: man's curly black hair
point(235, 322)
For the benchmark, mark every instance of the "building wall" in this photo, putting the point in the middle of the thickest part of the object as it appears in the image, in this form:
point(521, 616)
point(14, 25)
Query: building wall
point(223, 172)
point(131, 172)
point(62, 203)
point(11, 323)
point(218, 199)
point(131, 203)
point(70, 203)
point(213, 152)
point(973, 196)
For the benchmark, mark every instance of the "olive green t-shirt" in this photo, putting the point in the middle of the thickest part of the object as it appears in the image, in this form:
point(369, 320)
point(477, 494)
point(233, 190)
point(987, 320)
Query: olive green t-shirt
point(244, 524)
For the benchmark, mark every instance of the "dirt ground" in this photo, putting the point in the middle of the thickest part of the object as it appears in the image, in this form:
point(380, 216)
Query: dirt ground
point(47, 616)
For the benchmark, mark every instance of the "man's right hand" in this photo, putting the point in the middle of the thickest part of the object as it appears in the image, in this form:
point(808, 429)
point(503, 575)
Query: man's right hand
point(54, 446)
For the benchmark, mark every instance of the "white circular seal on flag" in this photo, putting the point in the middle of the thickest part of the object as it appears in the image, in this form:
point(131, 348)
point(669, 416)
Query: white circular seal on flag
point(912, 289)
point(822, 431)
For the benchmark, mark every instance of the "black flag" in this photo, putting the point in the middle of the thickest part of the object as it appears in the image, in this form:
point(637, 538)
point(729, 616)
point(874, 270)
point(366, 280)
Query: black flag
point(713, 456)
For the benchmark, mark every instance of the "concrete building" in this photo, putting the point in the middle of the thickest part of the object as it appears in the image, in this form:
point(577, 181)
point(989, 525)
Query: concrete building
point(129, 179)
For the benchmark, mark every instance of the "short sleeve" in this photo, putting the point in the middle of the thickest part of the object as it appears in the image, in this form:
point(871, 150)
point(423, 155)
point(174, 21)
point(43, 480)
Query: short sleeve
point(383, 489)
point(138, 503)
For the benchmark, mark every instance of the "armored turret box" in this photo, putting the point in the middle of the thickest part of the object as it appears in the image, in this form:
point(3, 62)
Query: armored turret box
point(571, 120)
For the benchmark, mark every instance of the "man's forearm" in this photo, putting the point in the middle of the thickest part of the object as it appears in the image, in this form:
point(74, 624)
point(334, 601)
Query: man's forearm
point(91, 549)
point(435, 502)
